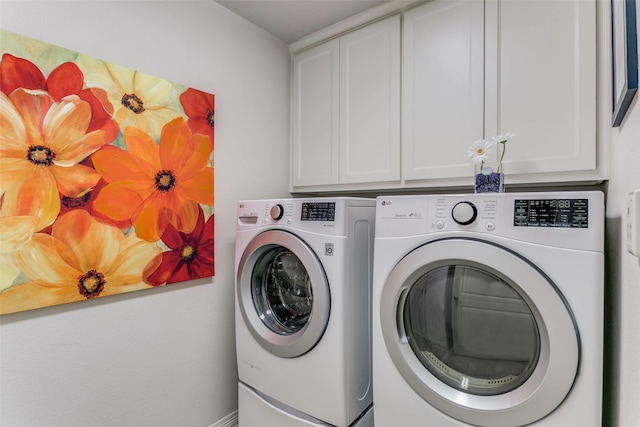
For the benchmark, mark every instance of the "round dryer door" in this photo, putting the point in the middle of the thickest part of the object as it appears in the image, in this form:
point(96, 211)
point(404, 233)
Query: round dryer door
point(283, 293)
point(479, 332)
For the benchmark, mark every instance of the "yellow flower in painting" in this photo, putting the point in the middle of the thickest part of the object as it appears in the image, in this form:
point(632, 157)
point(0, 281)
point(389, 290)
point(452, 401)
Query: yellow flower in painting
point(41, 146)
point(83, 258)
point(139, 99)
point(8, 272)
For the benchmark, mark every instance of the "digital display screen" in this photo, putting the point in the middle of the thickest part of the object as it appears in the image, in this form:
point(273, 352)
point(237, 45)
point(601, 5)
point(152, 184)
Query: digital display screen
point(567, 213)
point(318, 211)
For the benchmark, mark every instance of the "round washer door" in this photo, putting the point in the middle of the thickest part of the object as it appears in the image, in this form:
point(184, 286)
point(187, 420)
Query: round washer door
point(479, 332)
point(283, 293)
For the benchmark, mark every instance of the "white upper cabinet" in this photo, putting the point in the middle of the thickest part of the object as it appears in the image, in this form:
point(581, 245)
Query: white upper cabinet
point(442, 88)
point(370, 103)
point(470, 69)
point(540, 73)
point(346, 108)
point(315, 113)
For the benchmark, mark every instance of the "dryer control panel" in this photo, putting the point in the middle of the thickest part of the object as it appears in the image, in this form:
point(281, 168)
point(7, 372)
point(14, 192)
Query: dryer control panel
point(565, 212)
point(564, 219)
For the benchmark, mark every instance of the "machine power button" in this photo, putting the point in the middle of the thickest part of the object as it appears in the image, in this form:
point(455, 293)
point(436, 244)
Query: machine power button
point(464, 213)
point(277, 212)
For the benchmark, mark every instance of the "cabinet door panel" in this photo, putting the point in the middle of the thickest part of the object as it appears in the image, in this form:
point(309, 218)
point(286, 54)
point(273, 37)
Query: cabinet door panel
point(541, 55)
point(442, 107)
point(370, 103)
point(315, 110)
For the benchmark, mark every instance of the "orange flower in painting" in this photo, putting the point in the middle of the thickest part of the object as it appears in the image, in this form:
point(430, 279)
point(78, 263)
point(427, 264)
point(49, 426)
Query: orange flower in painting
point(83, 258)
point(16, 231)
point(156, 185)
point(41, 146)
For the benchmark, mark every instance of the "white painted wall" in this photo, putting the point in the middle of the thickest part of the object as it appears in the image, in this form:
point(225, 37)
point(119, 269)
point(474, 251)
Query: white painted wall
point(623, 274)
point(159, 357)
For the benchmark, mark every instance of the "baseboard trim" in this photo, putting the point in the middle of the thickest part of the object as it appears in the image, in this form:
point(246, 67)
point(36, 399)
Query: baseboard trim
point(230, 420)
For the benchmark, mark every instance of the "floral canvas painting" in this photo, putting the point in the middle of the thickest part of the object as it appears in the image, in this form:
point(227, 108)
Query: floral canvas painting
point(106, 178)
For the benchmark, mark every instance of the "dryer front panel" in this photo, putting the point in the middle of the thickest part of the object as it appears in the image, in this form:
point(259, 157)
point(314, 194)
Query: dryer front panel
point(479, 332)
point(283, 293)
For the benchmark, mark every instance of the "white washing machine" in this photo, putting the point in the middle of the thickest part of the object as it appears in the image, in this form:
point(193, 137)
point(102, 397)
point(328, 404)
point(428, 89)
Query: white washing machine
point(303, 311)
point(488, 310)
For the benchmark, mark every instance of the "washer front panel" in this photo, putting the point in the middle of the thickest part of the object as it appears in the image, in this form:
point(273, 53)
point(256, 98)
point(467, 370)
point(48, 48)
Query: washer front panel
point(479, 332)
point(283, 293)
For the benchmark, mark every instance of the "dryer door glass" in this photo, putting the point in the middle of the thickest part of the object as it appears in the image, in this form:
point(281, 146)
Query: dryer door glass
point(281, 291)
point(471, 330)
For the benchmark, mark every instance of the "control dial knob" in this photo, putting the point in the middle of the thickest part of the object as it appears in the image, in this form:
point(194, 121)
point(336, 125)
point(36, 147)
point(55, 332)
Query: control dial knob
point(464, 213)
point(277, 212)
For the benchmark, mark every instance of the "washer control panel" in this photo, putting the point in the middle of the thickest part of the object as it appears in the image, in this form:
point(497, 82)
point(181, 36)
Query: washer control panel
point(318, 211)
point(287, 212)
point(326, 215)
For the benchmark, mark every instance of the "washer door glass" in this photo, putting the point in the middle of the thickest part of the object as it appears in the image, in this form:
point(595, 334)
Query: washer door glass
point(282, 293)
point(471, 330)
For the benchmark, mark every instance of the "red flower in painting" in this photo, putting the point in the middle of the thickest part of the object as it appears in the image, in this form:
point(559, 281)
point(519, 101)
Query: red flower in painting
point(66, 79)
point(190, 255)
point(18, 72)
point(199, 107)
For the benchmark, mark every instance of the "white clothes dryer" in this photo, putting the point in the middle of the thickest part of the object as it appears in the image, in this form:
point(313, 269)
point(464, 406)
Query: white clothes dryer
point(303, 311)
point(488, 310)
